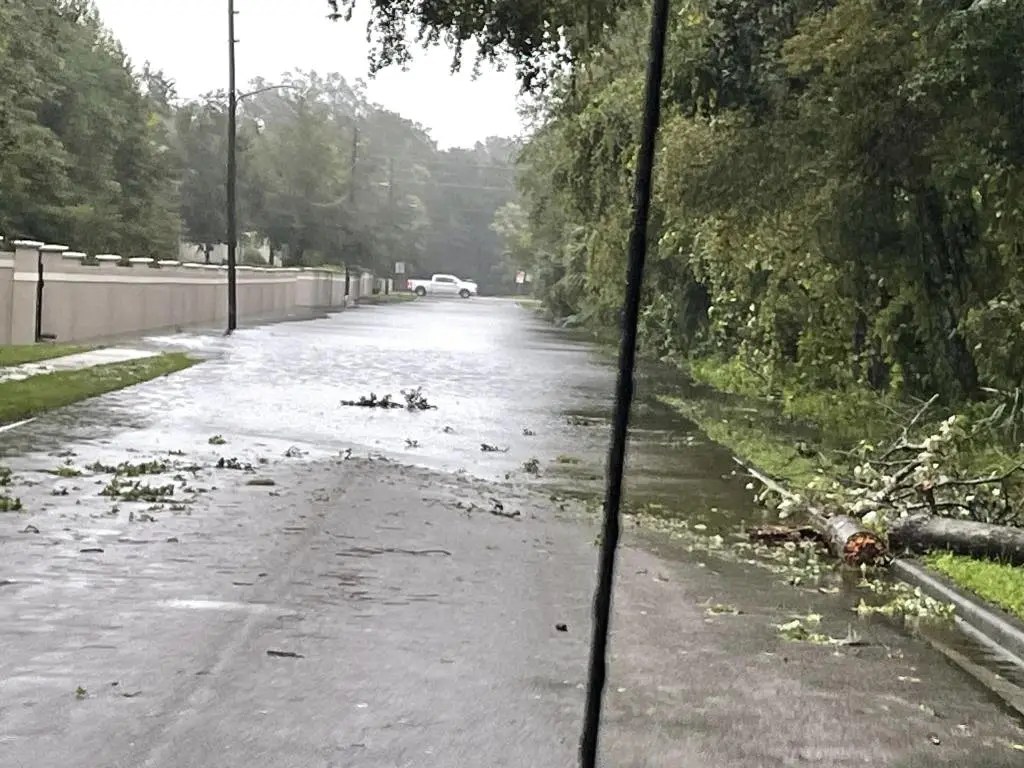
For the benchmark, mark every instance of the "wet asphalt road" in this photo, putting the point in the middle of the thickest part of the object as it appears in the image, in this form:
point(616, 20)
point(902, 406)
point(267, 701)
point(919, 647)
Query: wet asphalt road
point(424, 625)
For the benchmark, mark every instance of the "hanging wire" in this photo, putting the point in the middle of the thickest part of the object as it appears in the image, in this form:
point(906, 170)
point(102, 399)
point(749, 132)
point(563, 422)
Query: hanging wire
point(624, 386)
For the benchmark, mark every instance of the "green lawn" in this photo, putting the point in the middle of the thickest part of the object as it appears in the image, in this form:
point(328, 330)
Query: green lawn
point(29, 397)
point(33, 353)
point(1000, 584)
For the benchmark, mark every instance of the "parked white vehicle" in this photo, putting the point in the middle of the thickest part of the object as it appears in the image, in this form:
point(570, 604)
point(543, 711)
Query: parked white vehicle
point(443, 285)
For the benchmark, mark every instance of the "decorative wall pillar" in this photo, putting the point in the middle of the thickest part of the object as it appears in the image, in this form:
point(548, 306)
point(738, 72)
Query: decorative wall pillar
point(23, 295)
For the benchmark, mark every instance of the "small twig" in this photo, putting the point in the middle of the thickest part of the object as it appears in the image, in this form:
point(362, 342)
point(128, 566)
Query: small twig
point(759, 375)
point(767, 482)
point(880, 463)
point(284, 654)
point(898, 479)
point(980, 480)
point(502, 513)
point(936, 505)
point(918, 415)
point(901, 446)
point(398, 551)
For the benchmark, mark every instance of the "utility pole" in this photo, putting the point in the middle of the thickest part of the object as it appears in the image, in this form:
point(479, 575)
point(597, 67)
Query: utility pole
point(391, 181)
point(351, 198)
point(391, 220)
point(232, 175)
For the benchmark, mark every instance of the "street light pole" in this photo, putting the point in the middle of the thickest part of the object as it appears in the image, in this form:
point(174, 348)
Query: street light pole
point(232, 175)
point(352, 200)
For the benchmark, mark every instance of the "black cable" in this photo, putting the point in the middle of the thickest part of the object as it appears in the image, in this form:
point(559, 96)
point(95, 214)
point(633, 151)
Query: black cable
point(624, 386)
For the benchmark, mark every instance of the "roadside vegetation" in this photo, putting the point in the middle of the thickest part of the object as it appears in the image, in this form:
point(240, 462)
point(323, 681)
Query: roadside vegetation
point(836, 240)
point(33, 353)
point(998, 583)
point(29, 397)
point(835, 453)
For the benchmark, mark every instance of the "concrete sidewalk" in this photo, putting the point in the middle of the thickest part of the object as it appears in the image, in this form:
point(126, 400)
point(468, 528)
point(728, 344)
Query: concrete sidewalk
point(352, 616)
point(74, 362)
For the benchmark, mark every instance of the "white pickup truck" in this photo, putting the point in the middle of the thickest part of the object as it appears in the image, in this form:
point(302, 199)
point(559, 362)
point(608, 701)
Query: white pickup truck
point(443, 285)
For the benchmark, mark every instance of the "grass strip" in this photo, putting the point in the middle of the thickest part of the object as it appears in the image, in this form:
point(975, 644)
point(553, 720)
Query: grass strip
point(20, 354)
point(37, 394)
point(998, 583)
point(750, 440)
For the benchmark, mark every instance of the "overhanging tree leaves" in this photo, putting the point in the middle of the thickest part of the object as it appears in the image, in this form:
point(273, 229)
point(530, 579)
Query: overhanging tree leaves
point(839, 188)
point(540, 36)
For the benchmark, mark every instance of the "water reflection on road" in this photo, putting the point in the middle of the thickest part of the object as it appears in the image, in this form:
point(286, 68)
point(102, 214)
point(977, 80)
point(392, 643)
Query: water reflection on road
point(497, 375)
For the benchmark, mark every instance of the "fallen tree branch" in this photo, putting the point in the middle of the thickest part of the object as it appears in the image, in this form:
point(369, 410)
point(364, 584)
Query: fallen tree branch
point(780, 534)
point(923, 533)
point(845, 537)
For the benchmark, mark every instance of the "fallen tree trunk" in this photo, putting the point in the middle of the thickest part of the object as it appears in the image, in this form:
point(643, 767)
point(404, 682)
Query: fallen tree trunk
point(851, 542)
point(845, 537)
point(924, 533)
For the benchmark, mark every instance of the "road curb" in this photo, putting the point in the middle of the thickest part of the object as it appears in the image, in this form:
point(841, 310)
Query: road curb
point(1000, 634)
point(993, 628)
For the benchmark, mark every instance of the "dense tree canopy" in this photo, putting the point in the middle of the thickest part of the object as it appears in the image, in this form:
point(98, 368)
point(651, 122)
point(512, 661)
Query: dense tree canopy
point(107, 158)
point(83, 150)
point(838, 196)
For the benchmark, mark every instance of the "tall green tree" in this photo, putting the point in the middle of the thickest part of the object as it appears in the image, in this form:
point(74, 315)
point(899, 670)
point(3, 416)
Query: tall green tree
point(85, 157)
point(837, 198)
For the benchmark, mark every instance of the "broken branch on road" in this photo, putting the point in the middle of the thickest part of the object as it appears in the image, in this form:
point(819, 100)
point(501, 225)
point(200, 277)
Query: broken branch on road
point(414, 401)
point(498, 510)
point(916, 491)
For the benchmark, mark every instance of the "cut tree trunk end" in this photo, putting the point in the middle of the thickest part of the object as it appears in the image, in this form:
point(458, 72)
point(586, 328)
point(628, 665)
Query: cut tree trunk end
point(924, 533)
point(852, 543)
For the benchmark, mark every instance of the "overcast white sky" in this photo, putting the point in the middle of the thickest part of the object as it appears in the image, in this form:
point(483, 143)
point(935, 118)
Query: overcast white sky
point(187, 39)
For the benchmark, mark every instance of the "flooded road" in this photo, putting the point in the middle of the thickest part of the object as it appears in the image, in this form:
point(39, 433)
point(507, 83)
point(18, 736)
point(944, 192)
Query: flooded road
point(497, 375)
point(362, 587)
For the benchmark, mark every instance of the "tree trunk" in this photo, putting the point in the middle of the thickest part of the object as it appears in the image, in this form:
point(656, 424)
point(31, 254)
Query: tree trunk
point(845, 537)
point(850, 541)
point(924, 533)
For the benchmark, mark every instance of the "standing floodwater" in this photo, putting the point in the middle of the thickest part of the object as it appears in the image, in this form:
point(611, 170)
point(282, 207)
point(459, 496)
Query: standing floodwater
point(229, 561)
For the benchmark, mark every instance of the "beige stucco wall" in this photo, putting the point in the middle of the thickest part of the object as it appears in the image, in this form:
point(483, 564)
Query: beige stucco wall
point(6, 283)
point(83, 301)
